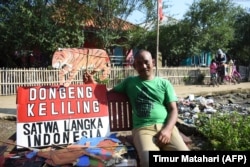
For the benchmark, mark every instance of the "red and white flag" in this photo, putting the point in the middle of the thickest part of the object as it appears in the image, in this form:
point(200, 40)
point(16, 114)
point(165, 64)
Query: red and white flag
point(160, 12)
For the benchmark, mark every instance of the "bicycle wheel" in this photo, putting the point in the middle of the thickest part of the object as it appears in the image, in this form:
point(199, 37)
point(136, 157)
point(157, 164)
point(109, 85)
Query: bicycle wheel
point(237, 78)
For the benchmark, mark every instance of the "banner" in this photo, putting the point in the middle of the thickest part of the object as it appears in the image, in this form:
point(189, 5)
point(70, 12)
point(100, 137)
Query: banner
point(61, 115)
point(160, 12)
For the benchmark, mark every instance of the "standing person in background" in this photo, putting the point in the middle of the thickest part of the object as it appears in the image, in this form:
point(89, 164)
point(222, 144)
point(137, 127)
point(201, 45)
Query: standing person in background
point(213, 73)
point(230, 70)
point(221, 60)
point(221, 57)
point(155, 112)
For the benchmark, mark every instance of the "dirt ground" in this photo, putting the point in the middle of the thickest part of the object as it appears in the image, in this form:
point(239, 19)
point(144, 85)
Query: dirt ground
point(183, 91)
point(7, 128)
point(8, 104)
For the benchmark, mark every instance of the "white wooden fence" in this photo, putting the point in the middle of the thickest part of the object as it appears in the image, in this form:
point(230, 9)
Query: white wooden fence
point(11, 78)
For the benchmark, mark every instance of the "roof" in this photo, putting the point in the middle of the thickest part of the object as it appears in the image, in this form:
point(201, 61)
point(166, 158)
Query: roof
point(116, 24)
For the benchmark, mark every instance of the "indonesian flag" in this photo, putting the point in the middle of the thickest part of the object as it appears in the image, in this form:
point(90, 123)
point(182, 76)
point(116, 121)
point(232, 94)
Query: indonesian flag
point(160, 13)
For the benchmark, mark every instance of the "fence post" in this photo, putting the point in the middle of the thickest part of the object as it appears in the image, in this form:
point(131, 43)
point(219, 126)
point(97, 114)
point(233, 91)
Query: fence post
point(1, 81)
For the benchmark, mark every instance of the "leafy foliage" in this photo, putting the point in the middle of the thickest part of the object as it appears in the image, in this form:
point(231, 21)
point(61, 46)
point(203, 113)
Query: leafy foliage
point(207, 26)
point(111, 16)
point(226, 132)
point(38, 25)
point(46, 25)
point(240, 47)
point(214, 22)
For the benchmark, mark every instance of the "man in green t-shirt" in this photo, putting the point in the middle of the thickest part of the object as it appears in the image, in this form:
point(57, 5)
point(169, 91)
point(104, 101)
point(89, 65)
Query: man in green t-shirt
point(155, 112)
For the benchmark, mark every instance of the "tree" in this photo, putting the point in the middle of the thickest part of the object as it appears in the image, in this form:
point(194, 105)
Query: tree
point(29, 25)
point(240, 46)
point(213, 22)
point(49, 24)
point(110, 17)
point(177, 43)
point(207, 26)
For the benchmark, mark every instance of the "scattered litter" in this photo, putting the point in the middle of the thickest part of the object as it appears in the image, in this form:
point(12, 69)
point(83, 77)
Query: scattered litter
point(191, 106)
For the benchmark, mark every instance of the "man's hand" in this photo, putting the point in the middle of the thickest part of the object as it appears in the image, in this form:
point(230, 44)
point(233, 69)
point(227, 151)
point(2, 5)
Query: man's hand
point(88, 78)
point(163, 137)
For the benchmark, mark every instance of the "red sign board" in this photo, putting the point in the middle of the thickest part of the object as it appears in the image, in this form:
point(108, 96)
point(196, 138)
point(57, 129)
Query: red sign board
point(49, 115)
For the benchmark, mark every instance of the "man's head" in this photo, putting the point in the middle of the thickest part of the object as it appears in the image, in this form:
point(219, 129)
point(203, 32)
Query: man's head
point(143, 64)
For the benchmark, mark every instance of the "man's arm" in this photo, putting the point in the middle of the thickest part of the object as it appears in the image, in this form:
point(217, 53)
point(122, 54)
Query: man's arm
point(165, 133)
point(172, 116)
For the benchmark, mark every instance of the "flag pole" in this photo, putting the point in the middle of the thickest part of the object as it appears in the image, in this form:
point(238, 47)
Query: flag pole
point(157, 40)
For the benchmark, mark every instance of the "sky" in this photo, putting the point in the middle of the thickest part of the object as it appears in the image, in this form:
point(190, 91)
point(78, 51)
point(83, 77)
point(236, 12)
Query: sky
point(180, 7)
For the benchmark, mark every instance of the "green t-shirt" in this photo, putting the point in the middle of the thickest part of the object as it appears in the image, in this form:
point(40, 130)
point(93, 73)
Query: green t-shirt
point(149, 99)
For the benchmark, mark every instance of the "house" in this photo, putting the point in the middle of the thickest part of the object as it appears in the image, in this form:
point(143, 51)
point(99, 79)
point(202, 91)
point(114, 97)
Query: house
point(203, 60)
point(120, 55)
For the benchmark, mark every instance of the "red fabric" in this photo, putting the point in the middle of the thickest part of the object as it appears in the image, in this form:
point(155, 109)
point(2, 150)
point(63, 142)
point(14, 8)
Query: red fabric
point(213, 68)
point(160, 14)
point(2, 160)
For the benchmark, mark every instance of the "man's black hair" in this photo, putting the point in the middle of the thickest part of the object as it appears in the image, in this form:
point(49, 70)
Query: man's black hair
point(139, 52)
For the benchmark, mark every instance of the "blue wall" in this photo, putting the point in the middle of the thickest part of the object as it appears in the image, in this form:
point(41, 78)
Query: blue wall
point(204, 59)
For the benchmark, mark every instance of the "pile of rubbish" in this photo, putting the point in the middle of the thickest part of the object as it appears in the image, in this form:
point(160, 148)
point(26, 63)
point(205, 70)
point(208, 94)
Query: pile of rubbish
point(99, 152)
point(190, 107)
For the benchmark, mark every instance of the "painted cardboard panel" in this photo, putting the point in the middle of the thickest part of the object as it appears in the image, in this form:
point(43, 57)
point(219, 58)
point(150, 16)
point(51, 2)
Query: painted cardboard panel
point(48, 115)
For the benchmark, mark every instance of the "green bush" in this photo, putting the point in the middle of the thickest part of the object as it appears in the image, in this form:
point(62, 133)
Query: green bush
point(200, 78)
point(97, 79)
point(225, 132)
point(187, 80)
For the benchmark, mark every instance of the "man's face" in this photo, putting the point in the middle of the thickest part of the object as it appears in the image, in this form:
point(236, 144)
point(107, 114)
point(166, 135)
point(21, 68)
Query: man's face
point(143, 64)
